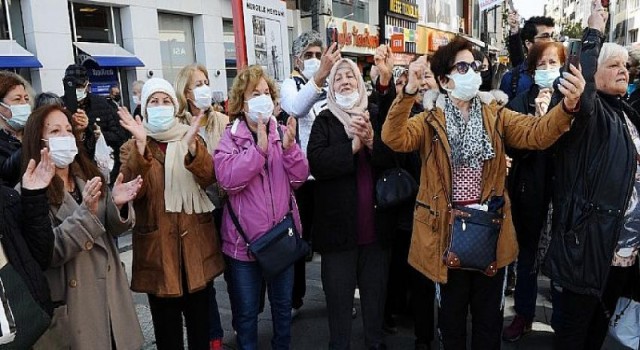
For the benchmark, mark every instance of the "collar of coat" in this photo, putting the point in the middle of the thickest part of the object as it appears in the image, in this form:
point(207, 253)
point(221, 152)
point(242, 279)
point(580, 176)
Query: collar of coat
point(434, 99)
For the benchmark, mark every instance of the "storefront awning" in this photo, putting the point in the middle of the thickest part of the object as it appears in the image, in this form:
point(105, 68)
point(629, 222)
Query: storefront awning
point(109, 55)
point(474, 40)
point(12, 55)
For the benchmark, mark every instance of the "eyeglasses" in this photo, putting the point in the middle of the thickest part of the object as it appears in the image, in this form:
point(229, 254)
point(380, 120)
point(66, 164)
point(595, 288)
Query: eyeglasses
point(308, 55)
point(463, 67)
point(544, 36)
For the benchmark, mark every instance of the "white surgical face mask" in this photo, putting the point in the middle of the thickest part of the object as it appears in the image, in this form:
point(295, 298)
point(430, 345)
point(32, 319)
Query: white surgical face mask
point(347, 101)
point(544, 78)
point(467, 85)
point(260, 105)
point(160, 119)
point(202, 96)
point(311, 66)
point(19, 115)
point(136, 99)
point(81, 94)
point(63, 150)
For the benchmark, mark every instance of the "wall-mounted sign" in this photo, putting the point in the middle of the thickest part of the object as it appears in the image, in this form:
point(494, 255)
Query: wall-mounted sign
point(404, 8)
point(355, 37)
point(397, 42)
point(487, 4)
point(429, 39)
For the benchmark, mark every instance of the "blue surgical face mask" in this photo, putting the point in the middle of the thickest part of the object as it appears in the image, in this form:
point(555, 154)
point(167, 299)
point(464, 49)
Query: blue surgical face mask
point(160, 119)
point(19, 115)
point(544, 78)
point(467, 85)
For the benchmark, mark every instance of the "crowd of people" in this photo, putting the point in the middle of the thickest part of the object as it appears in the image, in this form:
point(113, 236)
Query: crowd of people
point(543, 169)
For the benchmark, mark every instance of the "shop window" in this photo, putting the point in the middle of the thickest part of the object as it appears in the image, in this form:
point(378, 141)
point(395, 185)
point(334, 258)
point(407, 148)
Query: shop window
point(176, 44)
point(354, 10)
point(229, 51)
point(11, 21)
point(96, 24)
point(633, 36)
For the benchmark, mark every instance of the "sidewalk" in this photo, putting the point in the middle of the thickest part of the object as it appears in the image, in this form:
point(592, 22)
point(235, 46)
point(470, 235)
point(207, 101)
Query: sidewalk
point(310, 329)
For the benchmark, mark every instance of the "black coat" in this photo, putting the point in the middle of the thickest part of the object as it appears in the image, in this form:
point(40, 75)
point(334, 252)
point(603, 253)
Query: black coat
point(334, 167)
point(595, 167)
point(10, 159)
point(27, 239)
point(529, 180)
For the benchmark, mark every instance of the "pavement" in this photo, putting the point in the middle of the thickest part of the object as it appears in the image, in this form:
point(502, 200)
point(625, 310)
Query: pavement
point(310, 329)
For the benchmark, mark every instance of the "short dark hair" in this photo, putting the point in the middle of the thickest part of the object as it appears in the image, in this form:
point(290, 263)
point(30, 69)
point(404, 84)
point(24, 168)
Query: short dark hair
point(530, 30)
point(444, 58)
point(538, 49)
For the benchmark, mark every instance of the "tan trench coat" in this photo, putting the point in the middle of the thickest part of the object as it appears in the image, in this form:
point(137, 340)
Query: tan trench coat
point(426, 132)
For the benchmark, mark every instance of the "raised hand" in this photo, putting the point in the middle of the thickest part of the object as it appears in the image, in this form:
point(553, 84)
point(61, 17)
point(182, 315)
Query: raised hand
point(571, 86)
point(542, 101)
point(514, 22)
point(417, 69)
point(190, 136)
point(263, 138)
point(598, 18)
point(383, 59)
point(80, 121)
point(135, 127)
point(122, 193)
point(39, 177)
point(290, 135)
point(91, 194)
point(361, 128)
point(330, 56)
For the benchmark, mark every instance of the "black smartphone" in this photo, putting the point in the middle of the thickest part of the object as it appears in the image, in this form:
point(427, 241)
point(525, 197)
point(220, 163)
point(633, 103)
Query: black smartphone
point(573, 54)
point(332, 33)
point(69, 98)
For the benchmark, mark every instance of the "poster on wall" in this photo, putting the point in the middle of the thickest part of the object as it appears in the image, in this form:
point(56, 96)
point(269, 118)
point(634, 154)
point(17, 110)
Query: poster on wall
point(265, 23)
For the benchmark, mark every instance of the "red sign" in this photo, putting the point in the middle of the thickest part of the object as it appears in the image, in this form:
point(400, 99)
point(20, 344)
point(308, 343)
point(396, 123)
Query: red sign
point(397, 42)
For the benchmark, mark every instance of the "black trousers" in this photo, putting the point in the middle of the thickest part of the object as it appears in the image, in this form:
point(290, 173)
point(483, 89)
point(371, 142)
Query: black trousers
point(469, 290)
point(584, 319)
point(421, 299)
point(304, 198)
point(366, 267)
point(167, 319)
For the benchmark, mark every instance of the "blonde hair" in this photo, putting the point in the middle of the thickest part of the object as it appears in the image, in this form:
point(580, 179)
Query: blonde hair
point(248, 78)
point(182, 85)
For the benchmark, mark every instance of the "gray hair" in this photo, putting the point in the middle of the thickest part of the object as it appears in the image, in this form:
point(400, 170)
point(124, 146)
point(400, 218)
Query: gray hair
point(304, 41)
point(610, 50)
point(138, 83)
point(634, 55)
point(46, 99)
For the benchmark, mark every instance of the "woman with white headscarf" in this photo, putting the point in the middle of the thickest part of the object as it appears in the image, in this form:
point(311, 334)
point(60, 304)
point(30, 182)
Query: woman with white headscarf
point(349, 231)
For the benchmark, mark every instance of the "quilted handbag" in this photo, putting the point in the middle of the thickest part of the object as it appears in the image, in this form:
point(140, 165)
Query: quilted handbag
point(278, 248)
point(395, 186)
point(474, 240)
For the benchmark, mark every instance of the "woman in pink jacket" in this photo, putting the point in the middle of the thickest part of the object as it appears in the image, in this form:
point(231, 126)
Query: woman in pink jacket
point(258, 166)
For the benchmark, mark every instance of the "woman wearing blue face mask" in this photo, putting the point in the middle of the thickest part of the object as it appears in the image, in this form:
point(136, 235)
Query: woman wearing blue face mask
point(462, 137)
point(15, 108)
point(176, 252)
point(529, 184)
point(258, 166)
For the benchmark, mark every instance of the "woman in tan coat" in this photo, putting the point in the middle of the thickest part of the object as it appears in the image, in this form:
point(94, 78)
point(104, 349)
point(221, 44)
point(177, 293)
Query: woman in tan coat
point(89, 287)
point(176, 252)
point(461, 137)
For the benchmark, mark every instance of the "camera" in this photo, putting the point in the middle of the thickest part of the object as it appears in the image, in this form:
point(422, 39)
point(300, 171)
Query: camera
point(149, 73)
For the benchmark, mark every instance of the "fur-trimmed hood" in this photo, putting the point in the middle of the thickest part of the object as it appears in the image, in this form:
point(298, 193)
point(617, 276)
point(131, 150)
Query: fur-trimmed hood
point(435, 99)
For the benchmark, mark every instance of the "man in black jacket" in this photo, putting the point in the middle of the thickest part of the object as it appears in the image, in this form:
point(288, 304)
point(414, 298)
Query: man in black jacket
point(92, 111)
point(595, 229)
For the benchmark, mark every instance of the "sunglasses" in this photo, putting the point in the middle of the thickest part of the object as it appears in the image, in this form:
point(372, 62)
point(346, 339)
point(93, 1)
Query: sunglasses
point(308, 55)
point(463, 67)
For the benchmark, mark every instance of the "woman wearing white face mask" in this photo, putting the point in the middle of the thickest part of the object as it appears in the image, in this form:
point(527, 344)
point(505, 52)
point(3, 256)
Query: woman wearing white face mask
point(89, 287)
point(462, 137)
point(15, 108)
point(259, 166)
point(350, 232)
point(194, 98)
point(176, 253)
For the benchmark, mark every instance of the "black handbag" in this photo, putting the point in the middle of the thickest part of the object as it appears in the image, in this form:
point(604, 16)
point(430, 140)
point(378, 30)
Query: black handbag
point(395, 186)
point(474, 240)
point(278, 248)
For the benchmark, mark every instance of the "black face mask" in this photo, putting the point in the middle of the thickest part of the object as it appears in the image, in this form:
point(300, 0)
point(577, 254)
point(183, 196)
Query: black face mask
point(117, 98)
point(486, 80)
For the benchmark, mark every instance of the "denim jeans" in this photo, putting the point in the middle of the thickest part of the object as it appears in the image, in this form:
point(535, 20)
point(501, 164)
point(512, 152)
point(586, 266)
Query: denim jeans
point(244, 280)
point(215, 326)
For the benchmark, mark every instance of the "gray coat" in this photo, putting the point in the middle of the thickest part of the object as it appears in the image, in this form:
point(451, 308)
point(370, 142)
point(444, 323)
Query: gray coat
point(86, 275)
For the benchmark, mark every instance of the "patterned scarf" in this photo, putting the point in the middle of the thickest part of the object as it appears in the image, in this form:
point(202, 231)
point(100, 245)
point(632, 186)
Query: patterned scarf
point(470, 144)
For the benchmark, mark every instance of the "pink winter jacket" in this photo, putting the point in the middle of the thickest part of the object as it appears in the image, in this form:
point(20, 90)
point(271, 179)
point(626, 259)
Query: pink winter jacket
point(259, 185)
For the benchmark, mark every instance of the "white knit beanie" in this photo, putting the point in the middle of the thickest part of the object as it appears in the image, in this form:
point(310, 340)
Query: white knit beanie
point(152, 86)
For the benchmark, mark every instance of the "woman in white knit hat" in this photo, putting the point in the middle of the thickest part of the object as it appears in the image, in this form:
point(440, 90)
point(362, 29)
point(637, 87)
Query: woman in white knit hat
point(176, 253)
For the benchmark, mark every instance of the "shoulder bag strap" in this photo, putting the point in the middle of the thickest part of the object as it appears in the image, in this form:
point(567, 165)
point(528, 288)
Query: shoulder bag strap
point(236, 222)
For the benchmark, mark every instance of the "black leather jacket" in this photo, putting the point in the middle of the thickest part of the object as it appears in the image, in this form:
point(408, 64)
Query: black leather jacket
point(595, 166)
point(10, 159)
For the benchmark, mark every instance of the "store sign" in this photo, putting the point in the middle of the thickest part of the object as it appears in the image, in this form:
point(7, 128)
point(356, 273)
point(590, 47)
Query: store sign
point(355, 37)
point(397, 43)
point(102, 79)
point(405, 8)
point(430, 40)
point(487, 4)
point(402, 59)
point(265, 23)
